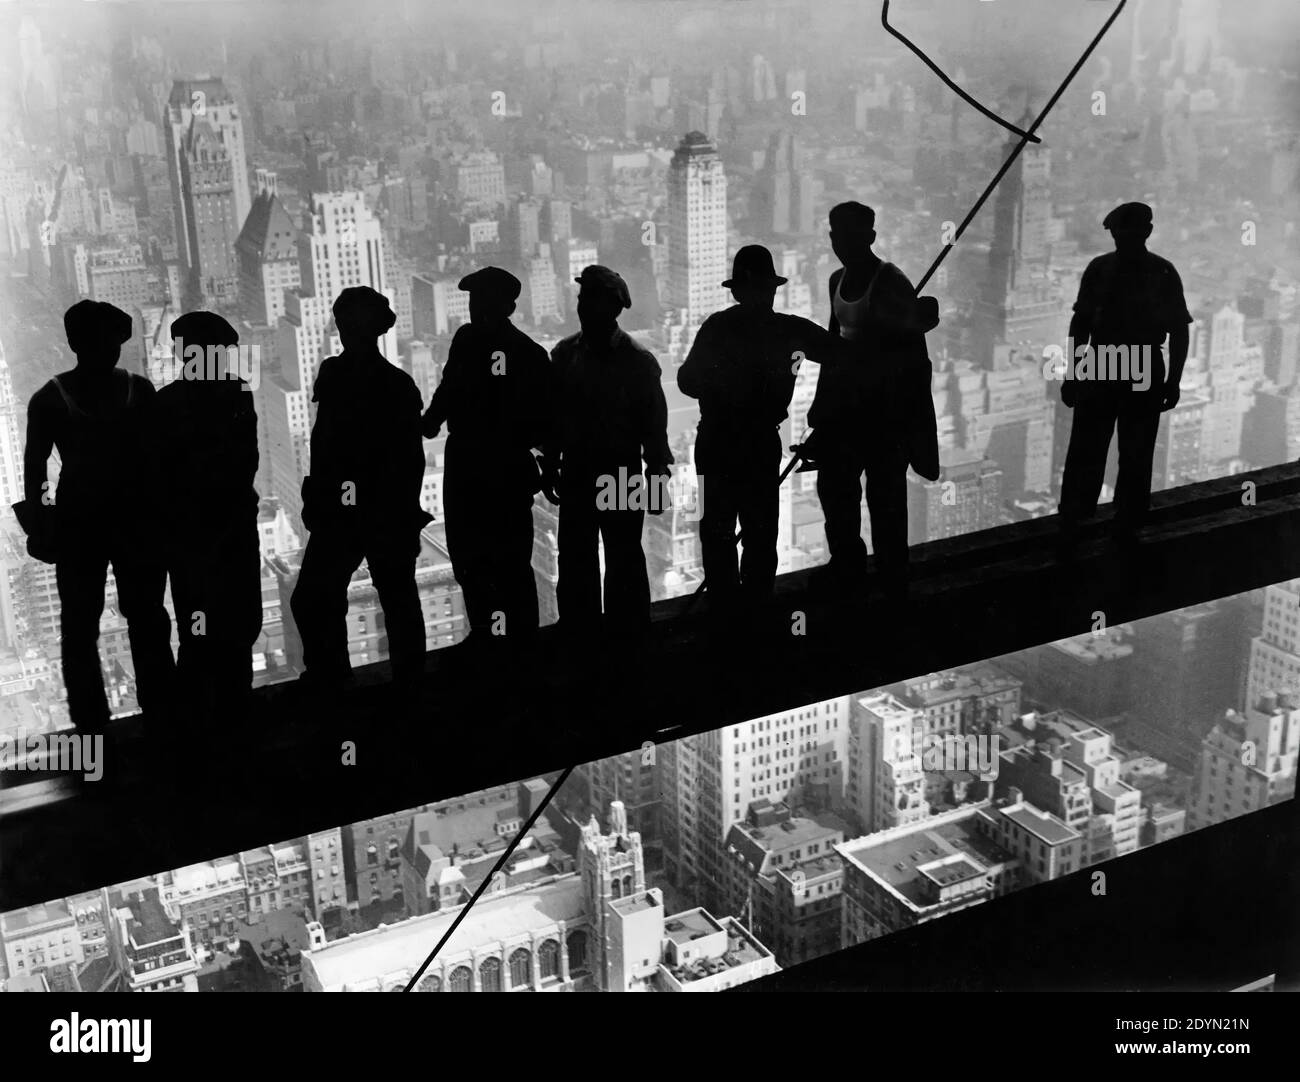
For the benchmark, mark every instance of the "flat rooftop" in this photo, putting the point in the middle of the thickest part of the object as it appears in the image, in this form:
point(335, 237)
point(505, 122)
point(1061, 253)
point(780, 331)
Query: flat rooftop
point(950, 872)
point(149, 921)
point(1088, 649)
point(895, 861)
point(1040, 824)
point(793, 833)
point(22, 921)
point(941, 687)
point(636, 903)
point(681, 928)
point(742, 949)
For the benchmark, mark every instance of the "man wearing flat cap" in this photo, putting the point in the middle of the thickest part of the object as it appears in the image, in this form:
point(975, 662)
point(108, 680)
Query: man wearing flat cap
point(96, 416)
point(741, 367)
point(493, 397)
point(610, 417)
point(204, 439)
point(1130, 300)
point(362, 499)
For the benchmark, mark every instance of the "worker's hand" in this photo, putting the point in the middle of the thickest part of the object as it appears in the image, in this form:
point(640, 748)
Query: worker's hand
point(1170, 398)
point(926, 315)
point(429, 427)
point(1069, 393)
point(41, 546)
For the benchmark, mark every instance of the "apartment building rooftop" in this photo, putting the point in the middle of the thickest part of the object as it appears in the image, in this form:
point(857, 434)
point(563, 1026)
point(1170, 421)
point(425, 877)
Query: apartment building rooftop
point(25, 920)
point(1039, 823)
point(896, 860)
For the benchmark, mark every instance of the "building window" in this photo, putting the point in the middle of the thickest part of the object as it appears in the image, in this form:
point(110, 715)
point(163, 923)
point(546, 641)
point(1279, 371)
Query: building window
point(460, 979)
point(548, 959)
point(521, 968)
point(489, 975)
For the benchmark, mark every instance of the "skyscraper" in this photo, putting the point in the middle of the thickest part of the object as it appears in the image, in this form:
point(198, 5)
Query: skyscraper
point(11, 445)
point(785, 194)
point(697, 228)
point(267, 252)
point(204, 136)
point(886, 785)
point(1020, 305)
point(340, 245)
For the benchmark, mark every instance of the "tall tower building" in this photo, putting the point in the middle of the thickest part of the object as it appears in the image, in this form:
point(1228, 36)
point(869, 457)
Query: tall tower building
point(786, 193)
point(1231, 384)
point(886, 785)
point(697, 228)
point(11, 446)
point(1019, 305)
point(612, 867)
point(340, 245)
point(204, 134)
point(267, 252)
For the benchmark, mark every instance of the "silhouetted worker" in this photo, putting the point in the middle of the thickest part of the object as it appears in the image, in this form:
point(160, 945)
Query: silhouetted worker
point(742, 368)
point(362, 498)
point(875, 417)
point(610, 415)
point(205, 445)
point(95, 416)
point(493, 398)
point(1129, 301)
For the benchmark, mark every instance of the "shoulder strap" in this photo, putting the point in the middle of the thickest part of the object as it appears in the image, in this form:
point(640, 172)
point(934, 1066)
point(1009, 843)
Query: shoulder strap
point(871, 286)
point(73, 408)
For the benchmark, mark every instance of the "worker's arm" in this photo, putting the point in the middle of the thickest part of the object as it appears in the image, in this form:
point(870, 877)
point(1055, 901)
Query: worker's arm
point(444, 395)
point(1085, 307)
point(1179, 337)
point(698, 375)
point(39, 446)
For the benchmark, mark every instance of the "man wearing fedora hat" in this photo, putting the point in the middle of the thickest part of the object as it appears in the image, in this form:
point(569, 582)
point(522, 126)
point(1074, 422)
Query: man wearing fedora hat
point(1129, 300)
point(741, 367)
point(95, 416)
point(609, 416)
point(493, 398)
point(362, 499)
